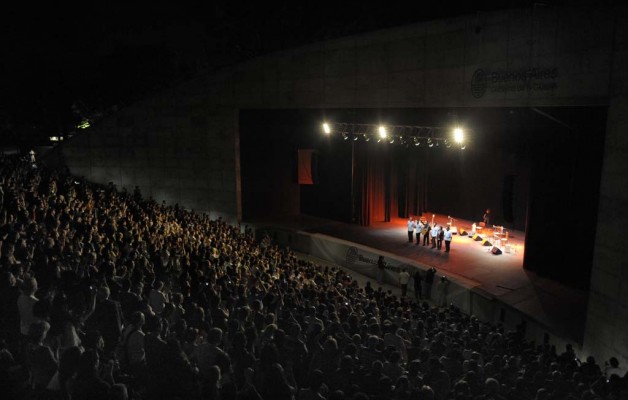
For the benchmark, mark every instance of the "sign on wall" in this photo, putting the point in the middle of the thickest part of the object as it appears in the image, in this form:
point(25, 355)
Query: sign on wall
point(501, 81)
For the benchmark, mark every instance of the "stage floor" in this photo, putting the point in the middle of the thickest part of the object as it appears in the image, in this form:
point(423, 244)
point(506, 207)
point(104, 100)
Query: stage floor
point(560, 308)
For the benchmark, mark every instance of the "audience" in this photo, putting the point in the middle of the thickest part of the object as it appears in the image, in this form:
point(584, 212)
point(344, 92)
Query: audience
point(106, 295)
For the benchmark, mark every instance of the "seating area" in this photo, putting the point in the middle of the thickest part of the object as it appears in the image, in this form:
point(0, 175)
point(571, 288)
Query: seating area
point(109, 295)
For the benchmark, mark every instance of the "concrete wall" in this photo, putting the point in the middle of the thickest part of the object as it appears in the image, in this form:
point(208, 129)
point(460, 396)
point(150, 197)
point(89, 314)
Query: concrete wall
point(182, 146)
point(607, 319)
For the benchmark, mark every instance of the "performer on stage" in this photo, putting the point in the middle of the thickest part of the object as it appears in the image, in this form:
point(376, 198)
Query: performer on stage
point(448, 237)
point(417, 230)
point(434, 234)
point(410, 229)
point(425, 231)
point(440, 237)
point(486, 218)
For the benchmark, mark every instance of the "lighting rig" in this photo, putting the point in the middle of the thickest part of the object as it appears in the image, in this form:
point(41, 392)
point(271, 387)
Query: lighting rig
point(405, 135)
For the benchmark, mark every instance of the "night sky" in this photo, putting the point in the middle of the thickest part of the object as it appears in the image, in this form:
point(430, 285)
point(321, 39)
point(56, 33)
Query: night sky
point(62, 65)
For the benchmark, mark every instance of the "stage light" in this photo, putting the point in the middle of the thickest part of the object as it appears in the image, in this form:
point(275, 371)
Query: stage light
point(417, 142)
point(382, 132)
point(463, 147)
point(392, 139)
point(326, 128)
point(355, 137)
point(458, 135)
point(344, 136)
point(430, 143)
point(366, 138)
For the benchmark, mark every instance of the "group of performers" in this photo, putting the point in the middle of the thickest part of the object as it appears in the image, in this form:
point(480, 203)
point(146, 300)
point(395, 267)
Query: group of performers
point(434, 234)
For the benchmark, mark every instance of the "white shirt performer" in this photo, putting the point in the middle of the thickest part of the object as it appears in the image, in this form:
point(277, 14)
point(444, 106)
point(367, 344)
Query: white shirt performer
point(417, 229)
point(448, 236)
point(410, 229)
point(434, 234)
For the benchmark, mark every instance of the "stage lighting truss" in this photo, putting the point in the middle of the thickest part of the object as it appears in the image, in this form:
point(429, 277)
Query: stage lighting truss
point(404, 135)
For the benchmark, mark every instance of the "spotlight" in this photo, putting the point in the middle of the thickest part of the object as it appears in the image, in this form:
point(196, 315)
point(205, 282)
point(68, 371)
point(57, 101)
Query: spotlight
point(447, 144)
point(326, 128)
point(429, 142)
point(344, 136)
point(392, 140)
point(463, 147)
point(382, 132)
point(437, 143)
point(416, 142)
point(355, 137)
point(458, 135)
point(366, 138)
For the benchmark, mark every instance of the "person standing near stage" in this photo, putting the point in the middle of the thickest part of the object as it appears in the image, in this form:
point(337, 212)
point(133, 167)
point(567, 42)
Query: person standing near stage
point(439, 239)
point(434, 234)
point(425, 230)
point(410, 229)
point(404, 278)
point(381, 266)
point(417, 284)
point(448, 236)
point(429, 280)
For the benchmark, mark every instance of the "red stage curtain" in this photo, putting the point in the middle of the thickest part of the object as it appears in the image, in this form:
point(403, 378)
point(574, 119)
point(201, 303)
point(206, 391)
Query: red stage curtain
point(305, 167)
point(373, 180)
point(412, 185)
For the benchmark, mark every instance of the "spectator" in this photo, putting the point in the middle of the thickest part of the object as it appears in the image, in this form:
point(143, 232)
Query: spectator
point(25, 304)
point(404, 278)
point(42, 360)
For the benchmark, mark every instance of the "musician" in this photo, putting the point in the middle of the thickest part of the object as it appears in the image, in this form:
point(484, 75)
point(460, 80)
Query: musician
point(417, 230)
point(448, 237)
point(410, 230)
point(425, 230)
point(434, 234)
point(486, 218)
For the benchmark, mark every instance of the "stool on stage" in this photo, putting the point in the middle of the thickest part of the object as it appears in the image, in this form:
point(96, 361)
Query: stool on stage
point(480, 227)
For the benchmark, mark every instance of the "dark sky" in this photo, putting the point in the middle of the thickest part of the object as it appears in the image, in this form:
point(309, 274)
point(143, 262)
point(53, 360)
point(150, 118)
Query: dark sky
point(62, 64)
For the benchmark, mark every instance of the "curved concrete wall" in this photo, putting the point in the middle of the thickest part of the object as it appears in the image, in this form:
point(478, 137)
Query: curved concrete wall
point(182, 146)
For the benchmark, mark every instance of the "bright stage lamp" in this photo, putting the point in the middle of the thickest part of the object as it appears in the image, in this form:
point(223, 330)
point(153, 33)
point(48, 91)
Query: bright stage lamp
point(326, 128)
point(382, 132)
point(458, 135)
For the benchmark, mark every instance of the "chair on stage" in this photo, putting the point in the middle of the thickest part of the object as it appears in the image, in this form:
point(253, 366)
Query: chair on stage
point(480, 227)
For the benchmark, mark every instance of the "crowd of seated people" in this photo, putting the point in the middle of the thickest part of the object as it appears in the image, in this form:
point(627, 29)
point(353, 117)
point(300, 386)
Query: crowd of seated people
point(106, 295)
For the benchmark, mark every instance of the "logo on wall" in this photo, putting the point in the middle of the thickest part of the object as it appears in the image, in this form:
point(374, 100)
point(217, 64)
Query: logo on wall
point(478, 83)
point(526, 80)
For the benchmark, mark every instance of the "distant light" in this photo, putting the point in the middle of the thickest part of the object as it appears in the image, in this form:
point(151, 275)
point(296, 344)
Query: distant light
point(366, 138)
point(54, 138)
point(326, 128)
point(83, 125)
point(355, 137)
point(458, 135)
point(382, 132)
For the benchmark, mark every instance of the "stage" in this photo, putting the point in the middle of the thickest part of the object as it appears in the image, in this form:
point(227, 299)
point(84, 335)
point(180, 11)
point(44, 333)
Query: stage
point(557, 307)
